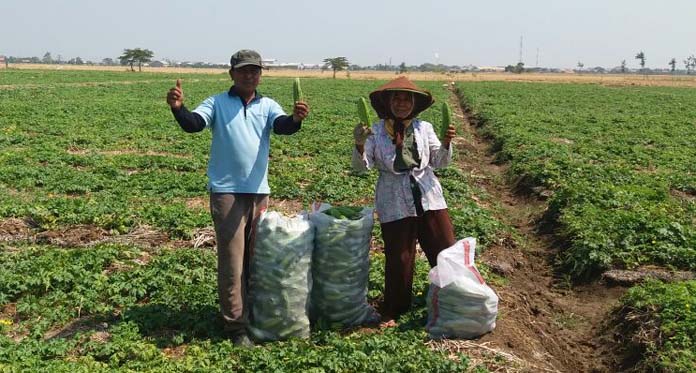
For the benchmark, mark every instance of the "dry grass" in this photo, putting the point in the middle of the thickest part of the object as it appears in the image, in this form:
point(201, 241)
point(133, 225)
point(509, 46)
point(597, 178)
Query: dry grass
point(605, 79)
point(481, 354)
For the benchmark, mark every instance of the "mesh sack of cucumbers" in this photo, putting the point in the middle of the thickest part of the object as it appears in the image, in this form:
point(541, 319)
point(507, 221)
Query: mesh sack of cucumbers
point(341, 266)
point(280, 279)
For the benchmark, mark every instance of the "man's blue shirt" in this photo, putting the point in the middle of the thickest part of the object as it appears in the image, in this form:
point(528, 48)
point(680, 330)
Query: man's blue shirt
point(241, 142)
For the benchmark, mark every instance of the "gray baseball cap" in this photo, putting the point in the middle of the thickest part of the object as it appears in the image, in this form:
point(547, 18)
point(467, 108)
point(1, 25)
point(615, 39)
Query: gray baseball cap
point(245, 57)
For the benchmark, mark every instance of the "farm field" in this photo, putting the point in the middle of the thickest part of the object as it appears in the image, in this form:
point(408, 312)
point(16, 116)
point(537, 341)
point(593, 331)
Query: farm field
point(619, 162)
point(113, 157)
point(619, 169)
point(569, 77)
point(103, 200)
point(106, 260)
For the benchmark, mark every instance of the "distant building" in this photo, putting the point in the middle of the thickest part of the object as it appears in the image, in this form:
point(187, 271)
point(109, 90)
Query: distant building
point(491, 69)
point(310, 66)
point(159, 64)
point(268, 62)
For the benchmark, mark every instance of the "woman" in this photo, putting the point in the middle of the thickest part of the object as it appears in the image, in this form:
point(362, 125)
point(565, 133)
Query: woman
point(408, 198)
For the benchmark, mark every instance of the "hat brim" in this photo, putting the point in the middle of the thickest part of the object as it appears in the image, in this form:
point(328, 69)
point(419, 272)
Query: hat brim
point(379, 98)
point(242, 64)
point(379, 101)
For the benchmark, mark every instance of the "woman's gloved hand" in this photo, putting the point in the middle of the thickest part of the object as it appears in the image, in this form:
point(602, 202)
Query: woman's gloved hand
point(360, 133)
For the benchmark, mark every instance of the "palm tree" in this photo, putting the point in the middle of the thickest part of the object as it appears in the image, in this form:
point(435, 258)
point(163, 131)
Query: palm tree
point(336, 64)
point(673, 63)
point(131, 56)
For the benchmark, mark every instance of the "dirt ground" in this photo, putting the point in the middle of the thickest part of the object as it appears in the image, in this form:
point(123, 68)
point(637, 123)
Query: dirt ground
point(545, 323)
point(605, 79)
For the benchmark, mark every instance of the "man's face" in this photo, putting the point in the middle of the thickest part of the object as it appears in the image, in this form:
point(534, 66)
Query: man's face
point(246, 78)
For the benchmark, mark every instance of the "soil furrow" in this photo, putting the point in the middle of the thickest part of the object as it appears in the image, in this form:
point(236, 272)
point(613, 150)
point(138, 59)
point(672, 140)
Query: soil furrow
point(543, 319)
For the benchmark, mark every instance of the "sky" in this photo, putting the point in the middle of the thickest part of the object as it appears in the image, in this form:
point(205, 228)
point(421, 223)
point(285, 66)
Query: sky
point(483, 33)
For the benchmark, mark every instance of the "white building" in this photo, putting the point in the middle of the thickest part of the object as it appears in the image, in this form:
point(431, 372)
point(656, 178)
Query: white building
point(159, 64)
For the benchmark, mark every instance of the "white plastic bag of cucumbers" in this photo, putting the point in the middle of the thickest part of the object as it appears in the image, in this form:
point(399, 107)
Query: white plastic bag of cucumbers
point(341, 266)
point(281, 277)
point(460, 304)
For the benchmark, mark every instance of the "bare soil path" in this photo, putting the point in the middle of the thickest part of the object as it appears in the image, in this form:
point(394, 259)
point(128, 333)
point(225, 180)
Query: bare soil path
point(545, 323)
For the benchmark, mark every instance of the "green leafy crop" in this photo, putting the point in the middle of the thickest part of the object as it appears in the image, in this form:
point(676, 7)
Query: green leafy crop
point(619, 161)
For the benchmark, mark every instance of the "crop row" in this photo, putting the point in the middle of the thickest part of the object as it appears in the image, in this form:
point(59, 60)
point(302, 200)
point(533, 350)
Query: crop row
point(620, 163)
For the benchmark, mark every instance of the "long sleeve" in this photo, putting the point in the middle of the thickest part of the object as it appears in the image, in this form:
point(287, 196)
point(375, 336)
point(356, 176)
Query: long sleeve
point(284, 125)
point(440, 157)
point(188, 121)
point(363, 162)
point(358, 161)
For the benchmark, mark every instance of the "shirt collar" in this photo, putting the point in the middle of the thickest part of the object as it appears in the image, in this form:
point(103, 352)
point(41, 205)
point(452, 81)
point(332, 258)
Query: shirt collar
point(232, 93)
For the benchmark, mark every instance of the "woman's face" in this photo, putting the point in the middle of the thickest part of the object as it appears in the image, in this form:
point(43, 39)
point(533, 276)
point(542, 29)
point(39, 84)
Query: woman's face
point(401, 104)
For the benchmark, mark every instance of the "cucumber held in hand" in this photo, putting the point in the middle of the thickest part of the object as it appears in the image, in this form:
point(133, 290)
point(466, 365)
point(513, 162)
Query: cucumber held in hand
point(297, 91)
point(363, 111)
point(446, 120)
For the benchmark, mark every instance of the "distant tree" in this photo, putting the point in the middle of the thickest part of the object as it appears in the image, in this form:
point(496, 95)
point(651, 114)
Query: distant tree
point(519, 68)
point(690, 63)
point(673, 64)
point(128, 58)
point(131, 56)
point(402, 68)
point(108, 61)
point(599, 70)
point(641, 56)
point(427, 67)
point(47, 58)
point(336, 64)
point(623, 66)
point(580, 65)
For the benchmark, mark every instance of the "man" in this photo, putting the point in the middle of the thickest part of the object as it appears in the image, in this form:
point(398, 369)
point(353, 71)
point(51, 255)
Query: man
point(241, 120)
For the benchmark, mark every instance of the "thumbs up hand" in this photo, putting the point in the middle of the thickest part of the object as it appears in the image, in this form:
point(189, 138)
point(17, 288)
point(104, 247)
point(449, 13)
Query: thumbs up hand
point(175, 96)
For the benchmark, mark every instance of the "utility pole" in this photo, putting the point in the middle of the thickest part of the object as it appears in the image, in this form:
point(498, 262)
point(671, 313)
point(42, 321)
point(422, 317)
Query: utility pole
point(537, 58)
point(520, 49)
